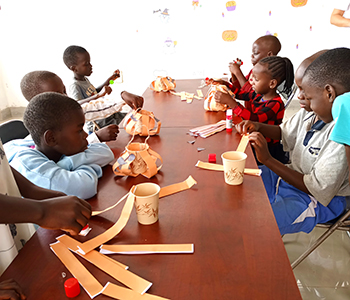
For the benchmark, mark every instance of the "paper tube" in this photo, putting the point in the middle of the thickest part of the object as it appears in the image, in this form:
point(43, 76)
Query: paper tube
point(147, 249)
point(217, 167)
point(110, 266)
point(85, 278)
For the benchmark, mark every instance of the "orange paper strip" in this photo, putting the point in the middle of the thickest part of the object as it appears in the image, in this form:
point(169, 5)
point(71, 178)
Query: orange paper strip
point(113, 231)
point(95, 213)
point(217, 167)
point(147, 249)
point(110, 266)
point(85, 278)
point(177, 187)
point(243, 143)
point(118, 292)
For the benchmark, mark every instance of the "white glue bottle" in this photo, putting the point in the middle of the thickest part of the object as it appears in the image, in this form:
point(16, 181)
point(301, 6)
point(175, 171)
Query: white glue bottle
point(229, 120)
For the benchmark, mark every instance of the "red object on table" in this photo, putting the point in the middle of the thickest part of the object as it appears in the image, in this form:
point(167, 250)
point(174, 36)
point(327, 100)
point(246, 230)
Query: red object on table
point(72, 287)
point(212, 158)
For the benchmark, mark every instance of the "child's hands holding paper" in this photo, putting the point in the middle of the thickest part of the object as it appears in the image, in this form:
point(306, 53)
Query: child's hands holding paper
point(258, 141)
point(247, 126)
point(225, 98)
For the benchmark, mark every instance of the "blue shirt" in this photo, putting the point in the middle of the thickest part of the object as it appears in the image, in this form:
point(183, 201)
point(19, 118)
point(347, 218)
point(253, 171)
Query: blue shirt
point(341, 115)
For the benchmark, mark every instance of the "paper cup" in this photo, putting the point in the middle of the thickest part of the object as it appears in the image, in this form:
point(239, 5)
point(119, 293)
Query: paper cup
point(147, 202)
point(234, 164)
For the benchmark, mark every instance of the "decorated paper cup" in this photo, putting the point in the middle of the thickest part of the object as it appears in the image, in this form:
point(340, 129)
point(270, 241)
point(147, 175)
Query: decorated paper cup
point(147, 202)
point(234, 164)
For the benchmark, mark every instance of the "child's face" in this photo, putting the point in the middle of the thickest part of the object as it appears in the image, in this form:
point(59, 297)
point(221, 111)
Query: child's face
point(301, 95)
point(259, 51)
point(54, 84)
point(71, 139)
point(320, 101)
point(83, 66)
point(260, 79)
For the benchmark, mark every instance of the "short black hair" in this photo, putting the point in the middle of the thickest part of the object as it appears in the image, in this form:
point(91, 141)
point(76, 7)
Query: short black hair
point(70, 55)
point(48, 111)
point(31, 83)
point(332, 67)
point(273, 43)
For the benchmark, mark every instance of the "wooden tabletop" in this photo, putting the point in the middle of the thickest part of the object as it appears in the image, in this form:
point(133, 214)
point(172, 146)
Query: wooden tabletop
point(238, 251)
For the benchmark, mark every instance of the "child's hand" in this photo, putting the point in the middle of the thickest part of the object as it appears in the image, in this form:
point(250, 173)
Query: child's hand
point(258, 141)
point(225, 98)
point(132, 100)
point(234, 68)
point(115, 75)
point(247, 126)
point(68, 213)
point(108, 133)
point(10, 290)
point(106, 90)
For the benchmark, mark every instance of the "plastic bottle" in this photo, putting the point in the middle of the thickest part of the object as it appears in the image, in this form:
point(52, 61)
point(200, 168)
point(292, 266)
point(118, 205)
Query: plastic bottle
point(229, 120)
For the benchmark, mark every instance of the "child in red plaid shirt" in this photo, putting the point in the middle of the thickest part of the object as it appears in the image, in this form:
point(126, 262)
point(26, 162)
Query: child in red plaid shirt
point(263, 104)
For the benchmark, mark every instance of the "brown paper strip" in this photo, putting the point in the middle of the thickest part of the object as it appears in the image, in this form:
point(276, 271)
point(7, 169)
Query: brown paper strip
point(177, 187)
point(147, 249)
point(118, 292)
point(217, 167)
point(189, 183)
point(85, 278)
point(110, 266)
point(113, 231)
point(243, 143)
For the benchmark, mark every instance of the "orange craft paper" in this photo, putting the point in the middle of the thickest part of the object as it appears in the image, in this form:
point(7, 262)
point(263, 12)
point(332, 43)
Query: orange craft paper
point(118, 292)
point(113, 231)
point(217, 167)
point(85, 278)
point(243, 143)
point(147, 249)
point(110, 266)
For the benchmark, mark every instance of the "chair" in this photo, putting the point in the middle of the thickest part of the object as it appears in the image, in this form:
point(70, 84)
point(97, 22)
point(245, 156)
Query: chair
point(13, 129)
point(340, 223)
point(285, 98)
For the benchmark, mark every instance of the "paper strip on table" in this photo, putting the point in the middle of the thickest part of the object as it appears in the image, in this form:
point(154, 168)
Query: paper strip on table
point(147, 249)
point(217, 167)
point(243, 143)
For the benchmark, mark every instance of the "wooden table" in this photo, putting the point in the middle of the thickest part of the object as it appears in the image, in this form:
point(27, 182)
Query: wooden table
point(239, 253)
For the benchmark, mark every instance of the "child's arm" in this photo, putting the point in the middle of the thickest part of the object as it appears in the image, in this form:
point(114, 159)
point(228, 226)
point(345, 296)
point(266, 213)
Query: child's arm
point(105, 90)
point(9, 289)
point(114, 76)
point(263, 155)
point(236, 74)
point(132, 100)
point(271, 131)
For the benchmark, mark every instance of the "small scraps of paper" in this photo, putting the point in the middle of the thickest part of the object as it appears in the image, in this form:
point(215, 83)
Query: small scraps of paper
point(200, 149)
point(191, 142)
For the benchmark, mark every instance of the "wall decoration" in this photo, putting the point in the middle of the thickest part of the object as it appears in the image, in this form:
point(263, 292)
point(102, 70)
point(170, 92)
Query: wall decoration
point(195, 3)
point(231, 5)
point(298, 3)
point(164, 15)
point(229, 35)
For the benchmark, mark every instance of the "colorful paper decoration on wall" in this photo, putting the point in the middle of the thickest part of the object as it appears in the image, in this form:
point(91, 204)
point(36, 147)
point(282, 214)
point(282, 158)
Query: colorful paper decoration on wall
point(231, 5)
point(229, 35)
point(195, 3)
point(298, 3)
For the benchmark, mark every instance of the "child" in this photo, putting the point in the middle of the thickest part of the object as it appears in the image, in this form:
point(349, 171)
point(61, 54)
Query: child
point(20, 203)
point(264, 46)
point(312, 188)
point(77, 59)
point(263, 103)
point(61, 159)
point(37, 82)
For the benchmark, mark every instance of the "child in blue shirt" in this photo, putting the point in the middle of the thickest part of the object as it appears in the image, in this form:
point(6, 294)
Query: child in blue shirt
point(58, 157)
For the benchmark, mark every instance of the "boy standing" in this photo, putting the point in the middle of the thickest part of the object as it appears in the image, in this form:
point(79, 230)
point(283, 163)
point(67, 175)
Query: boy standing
point(61, 159)
point(312, 188)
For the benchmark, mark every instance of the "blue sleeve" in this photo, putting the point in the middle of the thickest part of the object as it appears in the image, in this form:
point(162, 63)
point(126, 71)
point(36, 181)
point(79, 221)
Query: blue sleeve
point(341, 116)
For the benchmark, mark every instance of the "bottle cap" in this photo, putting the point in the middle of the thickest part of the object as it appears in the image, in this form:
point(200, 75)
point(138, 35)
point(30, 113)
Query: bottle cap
point(72, 287)
point(212, 158)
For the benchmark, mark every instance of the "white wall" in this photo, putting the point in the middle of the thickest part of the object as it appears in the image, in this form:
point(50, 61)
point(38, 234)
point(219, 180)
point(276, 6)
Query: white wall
point(130, 36)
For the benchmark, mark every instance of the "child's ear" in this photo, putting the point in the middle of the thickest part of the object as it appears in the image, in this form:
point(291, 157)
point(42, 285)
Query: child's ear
point(49, 138)
point(331, 93)
point(270, 53)
point(273, 83)
point(72, 68)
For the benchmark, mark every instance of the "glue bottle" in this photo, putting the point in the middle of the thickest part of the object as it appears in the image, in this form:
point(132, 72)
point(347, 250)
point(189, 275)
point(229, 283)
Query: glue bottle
point(229, 120)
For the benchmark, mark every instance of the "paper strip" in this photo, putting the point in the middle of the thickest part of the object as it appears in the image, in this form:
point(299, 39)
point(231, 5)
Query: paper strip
point(85, 278)
point(118, 292)
point(114, 230)
point(147, 249)
point(200, 94)
point(217, 167)
point(177, 187)
point(243, 143)
point(110, 266)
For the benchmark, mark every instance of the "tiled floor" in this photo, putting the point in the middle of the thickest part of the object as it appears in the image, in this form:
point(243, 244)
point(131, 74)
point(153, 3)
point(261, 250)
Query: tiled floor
point(325, 274)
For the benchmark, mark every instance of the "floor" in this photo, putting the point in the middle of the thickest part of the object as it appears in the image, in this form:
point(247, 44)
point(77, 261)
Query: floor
point(325, 274)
